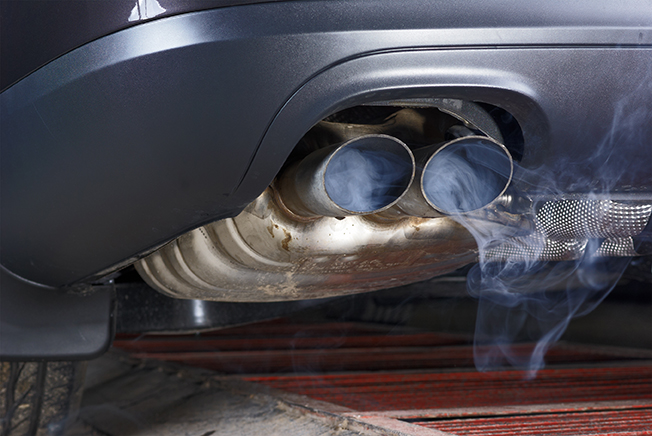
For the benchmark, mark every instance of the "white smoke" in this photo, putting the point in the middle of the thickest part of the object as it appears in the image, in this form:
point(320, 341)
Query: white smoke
point(524, 296)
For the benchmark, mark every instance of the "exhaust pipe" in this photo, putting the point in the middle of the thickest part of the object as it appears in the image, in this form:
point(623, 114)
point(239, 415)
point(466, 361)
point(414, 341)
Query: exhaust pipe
point(362, 176)
point(458, 177)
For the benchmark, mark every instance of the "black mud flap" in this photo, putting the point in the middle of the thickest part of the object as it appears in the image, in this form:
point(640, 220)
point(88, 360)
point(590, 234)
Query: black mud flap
point(39, 323)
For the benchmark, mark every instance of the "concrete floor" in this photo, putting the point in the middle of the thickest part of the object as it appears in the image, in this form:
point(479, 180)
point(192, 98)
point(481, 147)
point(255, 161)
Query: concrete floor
point(126, 397)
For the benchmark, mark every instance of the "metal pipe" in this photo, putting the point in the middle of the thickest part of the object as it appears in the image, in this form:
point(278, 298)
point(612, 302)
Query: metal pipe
point(457, 177)
point(362, 176)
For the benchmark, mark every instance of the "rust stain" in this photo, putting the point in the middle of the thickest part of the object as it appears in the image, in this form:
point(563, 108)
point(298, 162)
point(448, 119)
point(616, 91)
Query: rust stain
point(270, 229)
point(285, 243)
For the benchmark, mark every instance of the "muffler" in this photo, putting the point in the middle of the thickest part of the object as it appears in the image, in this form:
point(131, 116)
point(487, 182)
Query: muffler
point(362, 176)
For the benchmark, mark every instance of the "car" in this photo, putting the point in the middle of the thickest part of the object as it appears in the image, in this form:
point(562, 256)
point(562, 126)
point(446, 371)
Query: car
point(243, 152)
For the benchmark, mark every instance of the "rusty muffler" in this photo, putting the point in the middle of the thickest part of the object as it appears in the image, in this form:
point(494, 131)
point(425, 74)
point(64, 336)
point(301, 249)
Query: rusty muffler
point(318, 232)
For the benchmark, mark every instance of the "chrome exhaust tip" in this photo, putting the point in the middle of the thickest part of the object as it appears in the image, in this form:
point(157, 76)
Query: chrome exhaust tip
point(466, 174)
point(458, 177)
point(364, 175)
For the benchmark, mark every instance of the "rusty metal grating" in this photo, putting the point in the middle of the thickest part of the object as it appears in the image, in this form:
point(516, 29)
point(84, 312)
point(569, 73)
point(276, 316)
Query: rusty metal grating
point(281, 347)
point(447, 390)
point(402, 381)
point(613, 422)
point(614, 400)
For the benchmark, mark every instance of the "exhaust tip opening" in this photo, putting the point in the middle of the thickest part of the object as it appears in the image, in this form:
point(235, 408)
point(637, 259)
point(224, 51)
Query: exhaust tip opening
point(369, 174)
point(466, 174)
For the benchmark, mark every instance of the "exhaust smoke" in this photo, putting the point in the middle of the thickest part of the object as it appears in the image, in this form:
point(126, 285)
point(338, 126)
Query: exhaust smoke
point(524, 293)
point(534, 301)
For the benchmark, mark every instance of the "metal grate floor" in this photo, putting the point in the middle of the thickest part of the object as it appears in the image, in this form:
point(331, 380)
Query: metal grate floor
point(447, 390)
point(636, 421)
point(286, 347)
point(406, 382)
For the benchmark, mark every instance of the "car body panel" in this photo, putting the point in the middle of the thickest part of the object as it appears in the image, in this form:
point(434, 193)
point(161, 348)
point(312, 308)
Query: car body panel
point(36, 32)
point(135, 138)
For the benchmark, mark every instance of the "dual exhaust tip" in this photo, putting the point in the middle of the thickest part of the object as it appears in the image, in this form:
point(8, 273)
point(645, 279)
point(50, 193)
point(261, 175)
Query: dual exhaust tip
point(374, 174)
